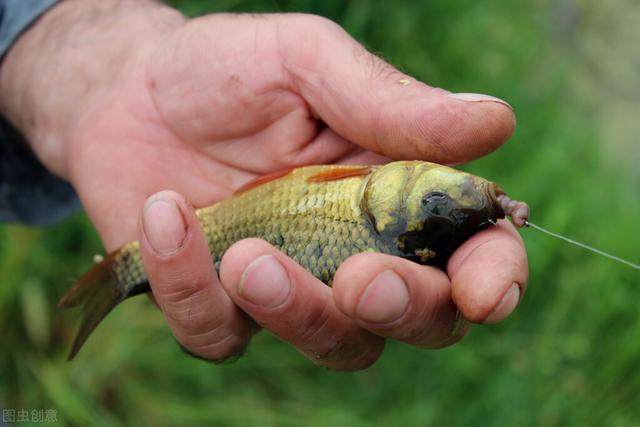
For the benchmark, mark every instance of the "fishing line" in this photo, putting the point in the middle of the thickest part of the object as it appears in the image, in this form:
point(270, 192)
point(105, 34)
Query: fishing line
point(527, 223)
point(582, 245)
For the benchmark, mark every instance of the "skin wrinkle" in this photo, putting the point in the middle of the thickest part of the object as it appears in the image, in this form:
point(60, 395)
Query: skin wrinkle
point(436, 134)
point(277, 161)
point(217, 361)
point(443, 318)
point(208, 329)
point(230, 180)
point(255, 40)
point(181, 312)
point(151, 89)
point(376, 130)
point(199, 170)
point(219, 349)
point(315, 323)
point(411, 138)
point(345, 348)
point(298, 155)
point(382, 71)
point(274, 93)
point(321, 144)
point(339, 349)
point(281, 58)
point(304, 50)
point(418, 333)
point(444, 328)
point(184, 294)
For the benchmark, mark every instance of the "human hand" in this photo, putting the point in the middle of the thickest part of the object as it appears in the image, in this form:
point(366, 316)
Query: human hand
point(145, 100)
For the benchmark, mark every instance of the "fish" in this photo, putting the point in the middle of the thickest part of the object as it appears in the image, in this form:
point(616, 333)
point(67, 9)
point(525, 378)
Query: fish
point(319, 216)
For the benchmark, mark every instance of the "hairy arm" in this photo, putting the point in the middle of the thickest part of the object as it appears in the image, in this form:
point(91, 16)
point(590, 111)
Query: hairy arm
point(74, 54)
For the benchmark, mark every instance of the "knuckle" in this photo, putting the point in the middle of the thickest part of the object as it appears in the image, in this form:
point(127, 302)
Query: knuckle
point(378, 68)
point(194, 319)
point(179, 303)
point(315, 323)
point(453, 334)
point(336, 344)
point(304, 42)
point(437, 330)
point(350, 352)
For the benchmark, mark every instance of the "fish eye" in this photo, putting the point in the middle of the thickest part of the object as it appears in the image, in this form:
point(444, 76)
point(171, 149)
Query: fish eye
point(434, 196)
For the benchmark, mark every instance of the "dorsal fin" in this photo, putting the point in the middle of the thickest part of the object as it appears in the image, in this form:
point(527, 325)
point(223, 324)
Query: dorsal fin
point(340, 173)
point(263, 179)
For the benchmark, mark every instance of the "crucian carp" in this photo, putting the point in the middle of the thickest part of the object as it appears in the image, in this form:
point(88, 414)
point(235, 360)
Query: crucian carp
point(319, 216)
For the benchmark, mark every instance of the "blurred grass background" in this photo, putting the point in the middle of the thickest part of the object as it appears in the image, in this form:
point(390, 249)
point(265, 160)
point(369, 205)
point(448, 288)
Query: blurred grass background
point(570, 354)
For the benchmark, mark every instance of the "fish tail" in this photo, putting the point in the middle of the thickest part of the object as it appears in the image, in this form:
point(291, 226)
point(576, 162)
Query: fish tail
point(100, 290)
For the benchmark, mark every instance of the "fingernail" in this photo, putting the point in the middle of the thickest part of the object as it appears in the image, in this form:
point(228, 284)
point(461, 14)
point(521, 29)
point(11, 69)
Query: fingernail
point(506, 305)
point(163, 225)
point(385, 299)
point(265, 282)
point(479, 97)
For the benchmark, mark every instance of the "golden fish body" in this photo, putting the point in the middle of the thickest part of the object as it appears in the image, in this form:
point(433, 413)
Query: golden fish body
point(319, 216)
point(318, 224)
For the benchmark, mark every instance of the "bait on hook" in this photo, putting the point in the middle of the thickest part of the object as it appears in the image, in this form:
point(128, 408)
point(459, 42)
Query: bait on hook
point(519, 213)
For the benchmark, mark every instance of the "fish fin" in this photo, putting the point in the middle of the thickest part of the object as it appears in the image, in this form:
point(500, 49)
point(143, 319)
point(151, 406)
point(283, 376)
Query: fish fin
point(263, 179)
point(98, 291)
point(341, 173)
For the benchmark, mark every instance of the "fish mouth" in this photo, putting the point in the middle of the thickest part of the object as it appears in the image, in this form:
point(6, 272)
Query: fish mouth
point(493, 191)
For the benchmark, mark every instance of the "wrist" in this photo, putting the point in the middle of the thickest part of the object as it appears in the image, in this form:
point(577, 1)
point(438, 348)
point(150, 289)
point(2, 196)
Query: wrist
point(66, 62)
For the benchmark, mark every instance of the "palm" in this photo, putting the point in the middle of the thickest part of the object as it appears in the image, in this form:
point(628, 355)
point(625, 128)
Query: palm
point(200, 133)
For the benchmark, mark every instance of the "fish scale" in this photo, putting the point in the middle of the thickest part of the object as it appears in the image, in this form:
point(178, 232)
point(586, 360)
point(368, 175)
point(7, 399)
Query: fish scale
point(319, 225)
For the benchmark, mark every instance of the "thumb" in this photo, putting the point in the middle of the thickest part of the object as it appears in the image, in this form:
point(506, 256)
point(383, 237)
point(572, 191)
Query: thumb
point(184, 282)
point(371, 103)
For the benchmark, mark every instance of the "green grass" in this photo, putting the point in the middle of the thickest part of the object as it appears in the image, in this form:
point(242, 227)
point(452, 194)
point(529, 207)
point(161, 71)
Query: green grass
point(567, 357)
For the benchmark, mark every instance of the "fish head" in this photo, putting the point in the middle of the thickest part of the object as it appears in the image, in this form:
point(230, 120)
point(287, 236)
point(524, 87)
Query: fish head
point(443, 208)
point(431, 209)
